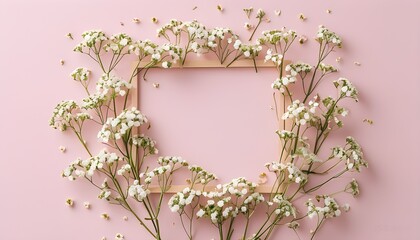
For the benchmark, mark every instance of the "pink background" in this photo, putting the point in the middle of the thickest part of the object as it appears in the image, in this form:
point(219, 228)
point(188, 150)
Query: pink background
point(383, 35)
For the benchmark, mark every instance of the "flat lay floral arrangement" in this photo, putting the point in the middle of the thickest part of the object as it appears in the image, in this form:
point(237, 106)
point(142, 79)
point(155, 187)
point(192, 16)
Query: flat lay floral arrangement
point(124, 175)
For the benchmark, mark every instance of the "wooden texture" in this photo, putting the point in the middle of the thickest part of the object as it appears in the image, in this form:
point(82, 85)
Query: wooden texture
point(282, 103)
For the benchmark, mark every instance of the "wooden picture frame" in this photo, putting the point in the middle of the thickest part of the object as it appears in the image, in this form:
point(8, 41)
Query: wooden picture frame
point(242, 63)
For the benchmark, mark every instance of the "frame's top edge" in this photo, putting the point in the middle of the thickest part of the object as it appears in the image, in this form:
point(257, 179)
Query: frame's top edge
point(242, 63)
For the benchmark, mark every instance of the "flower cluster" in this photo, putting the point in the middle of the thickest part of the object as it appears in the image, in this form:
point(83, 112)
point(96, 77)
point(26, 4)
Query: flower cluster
point(145, 142)
point(353, 188)
point(283, 207)
point(63, 115)
point(118, 42)
point(198, 34)
point(143, 48)
point(298, 68)
point(299, 112)
point(327, 36)
point(94, 101)
point(248, 50)
point(173, 52)
point(216, 35)
point(329, 210)
point(352, 153)
point(90, 39)
point(276, 58)
point(346, 88)
point(275, 37)
point(116, 128)
point(81, 168)
point(174, 26)
point(200, 175)
point(326, 68)
point(80, 74)
point(221, 206)
point(180, 200)
point(109, 84)
point(137, 191)
point(293, 173)
point(282, 83)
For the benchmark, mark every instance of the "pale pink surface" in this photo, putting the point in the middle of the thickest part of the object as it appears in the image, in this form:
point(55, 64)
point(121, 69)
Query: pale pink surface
point(382, 35)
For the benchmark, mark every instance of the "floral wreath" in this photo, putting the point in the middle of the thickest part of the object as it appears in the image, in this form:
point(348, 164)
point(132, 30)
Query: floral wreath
point(123, 176)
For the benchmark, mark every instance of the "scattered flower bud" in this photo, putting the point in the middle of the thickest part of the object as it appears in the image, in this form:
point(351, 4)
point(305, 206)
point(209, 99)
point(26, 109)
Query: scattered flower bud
point(121, 23)
point(328, 11)
point(303, 39)
point(69, 36)
point(338, 59)
point(156, 85)
point(62, 149)
point(119, 236)
point(220, 8)
point(103, 238)
point(86, 205)
point(267, 20)
point(61, 62)
point(346, 207)
point(154, 20)
point(277, 12)
point(368, 121)
point(105, 216)
point(195, 8)
point(262, 178)
point(69, 202)
point(357, 63)
point(248, 26)
point(136, 20)
point(248, 11)
point(125, 218)
point(302, 17)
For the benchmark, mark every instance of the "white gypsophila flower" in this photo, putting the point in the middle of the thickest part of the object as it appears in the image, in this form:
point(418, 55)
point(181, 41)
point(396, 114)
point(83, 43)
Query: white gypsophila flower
point(116, 128)
point(217, 35)
point(145, 142)
point(282, 83)
point(353, 188)
point(81, 168)
point(126, 168)
point(93, 101)
point(276, 58)
point(169, 160)
point(109, 84)
point(137, 191)
point(327, 36)
point(90, 40)
point(248, 50)
point(346, 88)
point(351, 153)
point(182, 199)
point(298, 68)
point(197, 34)
point(283, 207)
point(201, 176)
point(299, 112)
point(168, 50)
point(118, 42)
point(286, 135)
point(174, 26)
point(80, 74)
point(293, 173)
point(237, 196)
point(65, 113)
point(143, 48)
point(330, 208)
point(275, 37)
point(326, 68)
point(119, 236)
